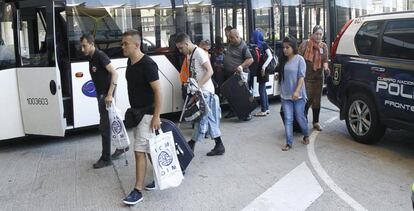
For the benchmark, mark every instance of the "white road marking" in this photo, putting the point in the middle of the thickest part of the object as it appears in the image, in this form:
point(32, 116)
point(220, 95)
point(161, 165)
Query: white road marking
point(324, 176)
point(331, 120)
point(297, 190)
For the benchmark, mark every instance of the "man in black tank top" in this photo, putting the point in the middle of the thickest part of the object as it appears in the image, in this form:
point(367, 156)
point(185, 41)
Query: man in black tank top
point(104, 78)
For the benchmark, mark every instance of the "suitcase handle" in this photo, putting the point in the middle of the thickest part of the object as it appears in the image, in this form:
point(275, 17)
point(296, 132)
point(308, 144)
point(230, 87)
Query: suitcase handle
point(179, 149)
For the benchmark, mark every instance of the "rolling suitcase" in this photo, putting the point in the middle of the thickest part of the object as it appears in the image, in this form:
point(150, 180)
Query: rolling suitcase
point(184, 152)
point(236, 91)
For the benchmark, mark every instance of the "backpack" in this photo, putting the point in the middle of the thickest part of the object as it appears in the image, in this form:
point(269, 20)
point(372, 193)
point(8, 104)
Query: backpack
point(255, 52)
point(271, 67)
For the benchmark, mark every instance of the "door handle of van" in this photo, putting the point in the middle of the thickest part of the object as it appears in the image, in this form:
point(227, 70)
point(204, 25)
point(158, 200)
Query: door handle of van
point(52, 86)
point(378, 69)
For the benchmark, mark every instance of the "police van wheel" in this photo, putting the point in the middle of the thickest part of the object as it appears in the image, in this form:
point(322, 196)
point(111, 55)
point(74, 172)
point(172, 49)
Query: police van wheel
point(362, 119)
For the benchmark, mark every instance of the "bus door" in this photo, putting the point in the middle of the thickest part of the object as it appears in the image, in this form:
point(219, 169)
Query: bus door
point(38, 75)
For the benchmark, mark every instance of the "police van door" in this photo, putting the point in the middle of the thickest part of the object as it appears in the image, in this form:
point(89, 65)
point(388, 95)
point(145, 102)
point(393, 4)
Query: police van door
point(38, 76)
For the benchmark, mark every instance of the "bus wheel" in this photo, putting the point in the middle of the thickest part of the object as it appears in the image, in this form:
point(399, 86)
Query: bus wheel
point(362, 120)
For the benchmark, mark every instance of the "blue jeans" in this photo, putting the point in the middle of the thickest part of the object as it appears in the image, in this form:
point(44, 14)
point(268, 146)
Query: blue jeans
point(264, 100)
point(210, 123)
point(295, 108)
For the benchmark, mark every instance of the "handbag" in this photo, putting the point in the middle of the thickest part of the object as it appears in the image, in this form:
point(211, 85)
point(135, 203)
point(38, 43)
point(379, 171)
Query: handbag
point(119, 135)
point(167, 169)
point(271, 67)
point(133, 116)
point(196, 108)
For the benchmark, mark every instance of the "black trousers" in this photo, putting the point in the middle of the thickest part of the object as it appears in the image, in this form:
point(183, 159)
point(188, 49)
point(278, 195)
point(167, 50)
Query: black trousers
point(104, 128)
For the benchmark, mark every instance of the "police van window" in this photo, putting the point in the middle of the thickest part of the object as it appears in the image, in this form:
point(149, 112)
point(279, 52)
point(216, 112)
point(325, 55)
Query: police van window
point(7, 56)
point(398, 39)
point(366, 38)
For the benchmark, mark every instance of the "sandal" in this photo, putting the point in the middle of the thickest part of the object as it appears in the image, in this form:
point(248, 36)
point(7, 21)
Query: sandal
point(260, 114)
point(317, 126)
point(286, 147)
point(306, 140)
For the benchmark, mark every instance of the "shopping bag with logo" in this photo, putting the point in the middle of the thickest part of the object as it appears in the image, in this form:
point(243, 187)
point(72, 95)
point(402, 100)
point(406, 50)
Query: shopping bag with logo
point(164, 158)
point(119, 135)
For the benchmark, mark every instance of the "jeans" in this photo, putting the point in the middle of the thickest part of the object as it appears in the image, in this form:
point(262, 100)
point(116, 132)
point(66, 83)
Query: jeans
point(210, 123)
point(295, 108)
point(264, 100)
point(104, 128)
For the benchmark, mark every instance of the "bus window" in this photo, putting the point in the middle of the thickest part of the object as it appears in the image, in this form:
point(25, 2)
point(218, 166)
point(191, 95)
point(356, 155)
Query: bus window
point(33, 49)
point(230, 13)
point(105, 23)
point(7, 56)
point(157, 22)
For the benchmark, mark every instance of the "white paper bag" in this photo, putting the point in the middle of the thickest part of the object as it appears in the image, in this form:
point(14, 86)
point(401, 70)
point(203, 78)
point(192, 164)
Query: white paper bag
point(119, 135)
point(167, 170)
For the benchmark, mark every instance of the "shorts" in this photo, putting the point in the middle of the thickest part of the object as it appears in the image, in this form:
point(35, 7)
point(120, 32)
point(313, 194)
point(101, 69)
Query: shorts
point(142, 134)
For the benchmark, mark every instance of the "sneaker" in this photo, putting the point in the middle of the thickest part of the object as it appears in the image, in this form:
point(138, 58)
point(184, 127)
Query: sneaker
point(317, 126)
point(260, 113)
point(118, 152)
point(133, 198)
point(217, 150)
point(102, 163)
point(268, 112)
point(151, 186)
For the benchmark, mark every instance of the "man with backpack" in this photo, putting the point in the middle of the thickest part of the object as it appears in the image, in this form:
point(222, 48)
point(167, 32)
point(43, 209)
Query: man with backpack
point(237, 60)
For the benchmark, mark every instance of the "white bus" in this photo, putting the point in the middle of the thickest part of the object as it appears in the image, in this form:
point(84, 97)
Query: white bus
point(45, 85)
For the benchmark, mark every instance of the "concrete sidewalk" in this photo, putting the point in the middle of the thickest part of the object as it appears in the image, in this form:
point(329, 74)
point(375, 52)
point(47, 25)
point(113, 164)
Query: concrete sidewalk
point(57, 174)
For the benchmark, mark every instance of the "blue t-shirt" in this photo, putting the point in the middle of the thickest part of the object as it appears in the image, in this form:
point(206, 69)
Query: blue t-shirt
point(294, 69)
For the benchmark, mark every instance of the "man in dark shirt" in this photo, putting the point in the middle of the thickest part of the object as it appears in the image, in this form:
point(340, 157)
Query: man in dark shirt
point(104, 77)
point(144, 90)
point(236, 61)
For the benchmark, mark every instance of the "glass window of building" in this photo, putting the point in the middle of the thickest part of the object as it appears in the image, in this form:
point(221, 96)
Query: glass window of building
point(229, 13)
point(199, 20)
point(262, 14)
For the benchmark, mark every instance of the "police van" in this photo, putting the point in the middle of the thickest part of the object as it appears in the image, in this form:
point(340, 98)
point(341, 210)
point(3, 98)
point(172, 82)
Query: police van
point(372, 80)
